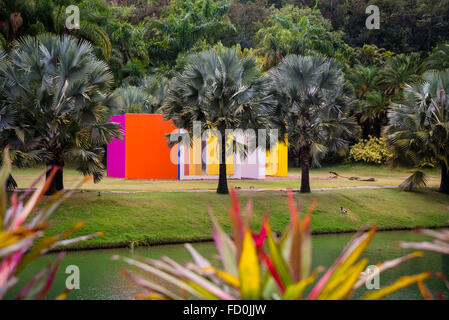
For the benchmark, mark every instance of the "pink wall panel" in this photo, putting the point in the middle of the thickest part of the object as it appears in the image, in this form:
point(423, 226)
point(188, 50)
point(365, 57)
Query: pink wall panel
point(115, 153)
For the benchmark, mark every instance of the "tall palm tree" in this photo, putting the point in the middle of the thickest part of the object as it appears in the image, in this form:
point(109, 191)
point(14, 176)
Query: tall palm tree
point(373, 113)
point(365, 80)
point(60, 93)
point(418, 128)
point(312, 108)
point(222, 89)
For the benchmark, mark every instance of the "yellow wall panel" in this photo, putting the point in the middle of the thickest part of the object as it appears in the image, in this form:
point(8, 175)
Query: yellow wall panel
point(276, 163)
point(195, 153)
point(213, 156)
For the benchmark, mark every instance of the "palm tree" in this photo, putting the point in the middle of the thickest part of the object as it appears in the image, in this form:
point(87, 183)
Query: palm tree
point(145, 98)
point(222, 89)
point(60, 94)
point(134, 100)
point(439, 59)
point(401, 69)
point(418, 129)
point(312, 108)
point(365, 80)
point(373, 113)
point(17, 17)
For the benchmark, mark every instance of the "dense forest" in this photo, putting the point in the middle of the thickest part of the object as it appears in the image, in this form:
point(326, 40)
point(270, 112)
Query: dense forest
point(139, 37)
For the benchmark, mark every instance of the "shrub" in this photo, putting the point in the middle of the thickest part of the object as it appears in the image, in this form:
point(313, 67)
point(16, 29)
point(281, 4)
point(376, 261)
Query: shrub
point(372, 150)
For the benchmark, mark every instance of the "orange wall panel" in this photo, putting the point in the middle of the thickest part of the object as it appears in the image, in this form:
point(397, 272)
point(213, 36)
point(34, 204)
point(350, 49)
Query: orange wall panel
point(147, 153)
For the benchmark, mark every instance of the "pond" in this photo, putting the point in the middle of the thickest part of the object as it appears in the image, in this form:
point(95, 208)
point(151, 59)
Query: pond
point(100, 278)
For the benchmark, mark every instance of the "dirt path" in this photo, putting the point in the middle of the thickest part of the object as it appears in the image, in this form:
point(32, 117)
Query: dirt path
point(240, 189)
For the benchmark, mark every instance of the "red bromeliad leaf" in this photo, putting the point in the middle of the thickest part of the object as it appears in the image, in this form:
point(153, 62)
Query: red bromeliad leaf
point(25, 291)
point(439, 295)
point(296, 252)
point(40, 295)
point(259, 239)
point(294, 211)
point(236, 222)
point(248, 213)
point(9, 264)
point(273, 271)
point(424, 291)
point(225, 246)
point(306, 243)
point(33, 201)
point(306, 222)
point(280, 266)
point(442, 277)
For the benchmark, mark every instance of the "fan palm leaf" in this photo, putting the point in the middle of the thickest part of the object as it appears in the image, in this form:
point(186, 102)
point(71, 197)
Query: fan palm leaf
point(311, 108)
point(58, 88)
point(419, 127)
point(220, 88)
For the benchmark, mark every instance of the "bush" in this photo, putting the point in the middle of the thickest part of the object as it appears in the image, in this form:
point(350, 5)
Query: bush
point(372, 150)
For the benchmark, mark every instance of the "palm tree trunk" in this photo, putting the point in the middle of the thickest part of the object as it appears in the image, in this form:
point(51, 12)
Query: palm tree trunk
point(57, 184)
point(377, 127)
point(222, 179)
point(444, 186)
point(296, 157)
point(305, 166)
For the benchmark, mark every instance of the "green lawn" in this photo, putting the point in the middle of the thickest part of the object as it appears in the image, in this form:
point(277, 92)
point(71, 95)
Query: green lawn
point(319, 179)
point(163, 217)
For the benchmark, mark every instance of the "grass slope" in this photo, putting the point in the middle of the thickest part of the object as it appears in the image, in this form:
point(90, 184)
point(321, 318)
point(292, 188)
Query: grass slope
point(164, 217)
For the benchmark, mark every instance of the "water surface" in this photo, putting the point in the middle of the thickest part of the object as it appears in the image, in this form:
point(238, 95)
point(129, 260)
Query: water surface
point(100, 278)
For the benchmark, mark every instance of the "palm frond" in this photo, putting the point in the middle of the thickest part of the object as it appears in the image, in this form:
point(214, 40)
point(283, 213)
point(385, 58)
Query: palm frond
point(416, 180)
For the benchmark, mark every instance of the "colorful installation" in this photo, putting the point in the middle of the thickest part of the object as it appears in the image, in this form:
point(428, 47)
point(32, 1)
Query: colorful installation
point(143, 153)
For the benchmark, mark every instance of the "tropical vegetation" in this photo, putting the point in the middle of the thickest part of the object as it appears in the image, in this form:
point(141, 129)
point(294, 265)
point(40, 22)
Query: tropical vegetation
point(58, 100)
point(337, 92)
point(419, 127)
point(222, 89)
point(312, 108)
point(145, 46)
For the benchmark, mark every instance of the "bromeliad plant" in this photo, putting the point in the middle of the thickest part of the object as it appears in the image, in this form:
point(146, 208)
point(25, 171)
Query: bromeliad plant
point(22, 239)
point(262, 266)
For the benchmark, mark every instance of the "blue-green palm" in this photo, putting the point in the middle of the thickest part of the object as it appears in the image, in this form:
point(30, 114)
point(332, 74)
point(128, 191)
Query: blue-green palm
point(221, 88)
point(61, 97)
point(312, 108)
point(418, 129)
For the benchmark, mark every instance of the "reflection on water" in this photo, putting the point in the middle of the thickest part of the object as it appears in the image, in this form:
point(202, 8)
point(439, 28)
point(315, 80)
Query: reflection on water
point(100, 278)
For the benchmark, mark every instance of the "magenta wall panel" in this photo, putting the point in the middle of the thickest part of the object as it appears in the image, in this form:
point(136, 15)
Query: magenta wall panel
point(115, 153)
